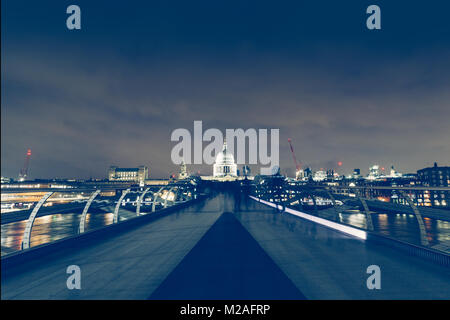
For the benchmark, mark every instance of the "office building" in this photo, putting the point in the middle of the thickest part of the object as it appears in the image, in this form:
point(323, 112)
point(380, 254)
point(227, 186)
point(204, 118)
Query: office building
point(137, 175)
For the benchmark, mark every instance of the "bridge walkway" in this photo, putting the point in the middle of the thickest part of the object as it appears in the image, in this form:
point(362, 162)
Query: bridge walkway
point(310, 261)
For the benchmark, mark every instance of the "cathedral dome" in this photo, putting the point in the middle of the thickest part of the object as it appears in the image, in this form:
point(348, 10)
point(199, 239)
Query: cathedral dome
point(224, 157)
point(224, 165)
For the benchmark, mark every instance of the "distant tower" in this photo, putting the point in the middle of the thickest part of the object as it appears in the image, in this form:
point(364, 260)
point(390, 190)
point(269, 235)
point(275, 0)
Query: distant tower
point(374, 172)
point(24, 172)
point(394, 173)
point(183, 171)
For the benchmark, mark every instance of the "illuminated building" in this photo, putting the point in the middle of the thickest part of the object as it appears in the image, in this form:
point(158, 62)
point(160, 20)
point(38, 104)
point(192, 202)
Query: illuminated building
point(5, 180)
point(307, 173)
point(434, 177)
point(224, 165)
point(394, 174)
point(356, 173)
point(319, 175)
point(374, 172)
point(138, 175)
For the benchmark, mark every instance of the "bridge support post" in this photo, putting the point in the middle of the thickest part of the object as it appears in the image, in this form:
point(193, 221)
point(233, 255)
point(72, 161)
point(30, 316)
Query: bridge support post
point(85, 211)
point(333, 201)
point(116, 209)
point(155, 197)
point(423, 234)
point(367, 212)
point(141, 198)
point(31, 218)
point(316, 211)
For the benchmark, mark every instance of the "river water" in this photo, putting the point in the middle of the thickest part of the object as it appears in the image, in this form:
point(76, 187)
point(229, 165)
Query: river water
point(54, 227)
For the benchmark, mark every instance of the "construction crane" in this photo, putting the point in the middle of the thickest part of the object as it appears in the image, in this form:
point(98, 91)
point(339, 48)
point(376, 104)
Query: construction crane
point(24, 172)
point(298, 167)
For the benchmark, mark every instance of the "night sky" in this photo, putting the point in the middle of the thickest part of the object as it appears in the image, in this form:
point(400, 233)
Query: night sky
point(113, 92)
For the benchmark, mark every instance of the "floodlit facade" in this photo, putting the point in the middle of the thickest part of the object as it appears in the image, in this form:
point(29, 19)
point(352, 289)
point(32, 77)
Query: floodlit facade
point(319, 175)
point(224, 165)
point(435, 176)
point(183, 171)
point(138, 175)
point(374, 172)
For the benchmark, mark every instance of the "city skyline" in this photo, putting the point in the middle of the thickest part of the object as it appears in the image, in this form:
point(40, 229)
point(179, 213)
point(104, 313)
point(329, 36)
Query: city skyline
point(112, 92)
point(336, 167)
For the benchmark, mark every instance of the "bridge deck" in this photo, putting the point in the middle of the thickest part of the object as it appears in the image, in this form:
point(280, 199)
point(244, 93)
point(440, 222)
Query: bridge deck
point(309, 260)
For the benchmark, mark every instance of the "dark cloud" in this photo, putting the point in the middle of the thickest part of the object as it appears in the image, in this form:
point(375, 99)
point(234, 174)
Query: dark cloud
point(85, 101)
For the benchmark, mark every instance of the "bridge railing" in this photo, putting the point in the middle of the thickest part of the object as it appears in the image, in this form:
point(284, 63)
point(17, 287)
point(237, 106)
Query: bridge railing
point(430, 254)
point(286, 193)
point(151, 198)
point(10, 262)
point(426, 253)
